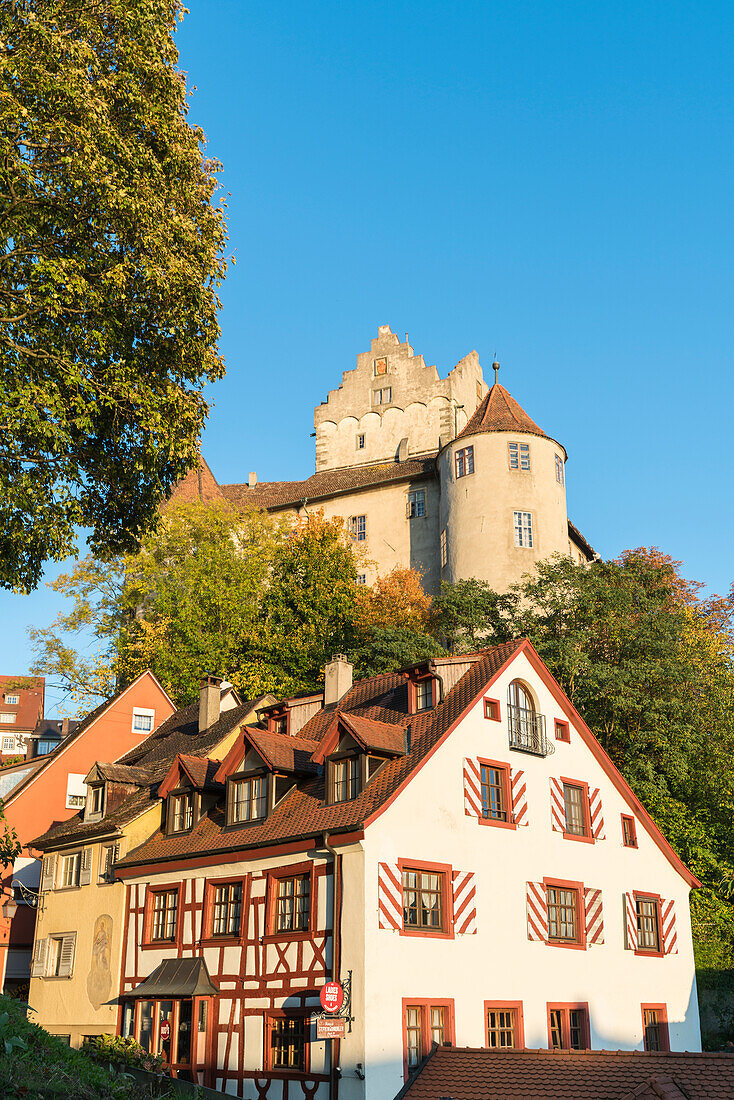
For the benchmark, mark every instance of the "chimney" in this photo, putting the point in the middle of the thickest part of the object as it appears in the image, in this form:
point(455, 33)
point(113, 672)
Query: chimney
point(251, 479)
point(64, 727)
point(209, 699)
point(337, 678)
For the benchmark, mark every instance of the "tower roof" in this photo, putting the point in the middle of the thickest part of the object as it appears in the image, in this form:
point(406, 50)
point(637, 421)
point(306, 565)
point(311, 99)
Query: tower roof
point(500, 412)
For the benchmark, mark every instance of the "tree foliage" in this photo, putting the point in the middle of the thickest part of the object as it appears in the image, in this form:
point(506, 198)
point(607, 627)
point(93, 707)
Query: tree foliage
point(110, 255)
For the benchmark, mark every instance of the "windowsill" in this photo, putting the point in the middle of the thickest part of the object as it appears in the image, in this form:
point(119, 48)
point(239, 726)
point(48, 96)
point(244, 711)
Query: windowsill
point(497, 824)
point(579, 836)
point(649, 953)
point(427, 934)
point(152, 945)
point(58, 977)
point(221, 941)
point(290, 1073)
point(288, 937)
point(634, 847)
point(568, 944)
point(76, 886)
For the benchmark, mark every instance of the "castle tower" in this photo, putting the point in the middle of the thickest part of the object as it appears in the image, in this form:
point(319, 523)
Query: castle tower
point(503, 495)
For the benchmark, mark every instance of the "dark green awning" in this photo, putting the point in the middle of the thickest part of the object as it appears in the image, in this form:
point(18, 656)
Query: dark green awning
point(176, 978)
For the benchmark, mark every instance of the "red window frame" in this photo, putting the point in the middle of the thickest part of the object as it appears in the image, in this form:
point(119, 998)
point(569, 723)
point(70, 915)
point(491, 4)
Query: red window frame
point(210, 887)
point(562, 730)
point(280, 1014)
point(447, 899)
point(505, 1006)
point(413, 694)
point(504, 768)
point(630, 821)
point(566, 1007)
point(662, 1022)
point(579, 944)
point(586, 837)
point(492, 710)
point(425, 1004)
point(150, 893)
point(274, 876)
point(646, 951)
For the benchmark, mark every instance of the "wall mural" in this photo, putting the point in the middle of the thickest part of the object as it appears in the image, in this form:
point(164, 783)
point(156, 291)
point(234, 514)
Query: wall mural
point(99, 978)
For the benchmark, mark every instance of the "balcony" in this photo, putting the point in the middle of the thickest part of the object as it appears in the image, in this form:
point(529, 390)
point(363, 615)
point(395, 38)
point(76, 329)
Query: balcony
point(527, 731)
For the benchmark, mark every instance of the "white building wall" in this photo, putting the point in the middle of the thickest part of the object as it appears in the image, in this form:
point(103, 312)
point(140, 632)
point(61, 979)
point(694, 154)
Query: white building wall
point(427, 823)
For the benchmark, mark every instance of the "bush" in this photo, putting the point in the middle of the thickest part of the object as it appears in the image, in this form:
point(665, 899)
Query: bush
point(122, 1052)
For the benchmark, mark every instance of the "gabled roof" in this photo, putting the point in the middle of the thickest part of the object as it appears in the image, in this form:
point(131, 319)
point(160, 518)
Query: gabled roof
point(368, 732)
point(500, 412)
point(197, 771)
point(118, 773)
point(465, 1073)
point(278, 751)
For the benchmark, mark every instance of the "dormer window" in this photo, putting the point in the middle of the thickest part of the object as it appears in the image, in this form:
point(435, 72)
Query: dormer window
point(424, 694)
point(344, 779)
point(279, 724)
point(248, 799)
point(95, 802)
point(181, 811)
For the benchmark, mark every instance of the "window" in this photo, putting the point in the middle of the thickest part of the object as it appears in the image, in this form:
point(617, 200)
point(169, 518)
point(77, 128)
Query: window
point(424, 694)
point(423, 901)
point(414, 1036)
point(358, 528)
point(75, 801)
point(60, 955)
point(563, 730)
point(464, 461)
point(96, 799)
point(655, 1027)
point(629, 831)
point(345, 779)
point(360, 441)
point(575, 802)
point(44, 746)
point(226, 909)
point(12, 700)
point(568, 1026)
point(293, 904)
point(383, 396)
point(248, 799)
point(559, 469)
point(70, 868)
point(8, 744)
point(7, 719)
point(108, 856)
point(278, 723)
point(425, 1023)
point(504, 1022)
point(523, 523)
point(519, 456)
point(416, 506)
point(288, 1043)
point(380, 366)
point(444, 548)
point(492, 709)
point(143, 720)
point(181, 810)
point(479, 391)
point(361, 578)
point(495, 803)
point(563, 914)
point(164, 910)
point(648, 924)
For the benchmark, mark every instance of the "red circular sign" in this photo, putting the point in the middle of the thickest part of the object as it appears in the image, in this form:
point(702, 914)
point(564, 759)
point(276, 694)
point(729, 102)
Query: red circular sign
point(332, 996)
point(165, 1031)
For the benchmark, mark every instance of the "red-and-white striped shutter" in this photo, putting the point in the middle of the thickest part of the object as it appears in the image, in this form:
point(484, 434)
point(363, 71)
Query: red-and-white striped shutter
point(670, 933)
point(594, 916)
point(519, 797)
point(595, 814)
point(630, 908)
point(558, 806)
point(390, 896)
point(465, 903)
point(537, 902)
point(472, 787)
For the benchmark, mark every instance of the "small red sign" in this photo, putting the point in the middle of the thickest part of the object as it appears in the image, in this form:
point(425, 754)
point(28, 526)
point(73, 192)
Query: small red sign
point(331, 1028)
point(165, 1031)
point(332, 996)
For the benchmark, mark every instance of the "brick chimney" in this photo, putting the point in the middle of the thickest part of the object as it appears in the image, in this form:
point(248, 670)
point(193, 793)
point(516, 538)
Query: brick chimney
point(209, 700)
point(337, 678)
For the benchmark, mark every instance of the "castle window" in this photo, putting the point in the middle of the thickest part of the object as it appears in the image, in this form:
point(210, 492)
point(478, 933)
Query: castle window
point(464, 461)
point(360, 441)
point(358, 528)
point(383, 396)
point(523, 523)
point(495, 792)
point(381, 366)
point(444, 548)
point(479, 391)
point(416, 505)
point(361, 578)
point(519, 456)
point(559, 469)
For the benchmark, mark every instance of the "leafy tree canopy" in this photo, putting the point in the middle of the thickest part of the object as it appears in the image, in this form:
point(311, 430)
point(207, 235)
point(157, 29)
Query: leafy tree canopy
point(110, 255)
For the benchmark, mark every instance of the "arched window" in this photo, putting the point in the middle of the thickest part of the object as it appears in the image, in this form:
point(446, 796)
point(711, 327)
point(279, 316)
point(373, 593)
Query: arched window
point(518, 696)
point(526, 727)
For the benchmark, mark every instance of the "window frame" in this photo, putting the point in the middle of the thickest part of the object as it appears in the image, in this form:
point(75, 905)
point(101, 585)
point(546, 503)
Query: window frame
point(361, 442)
point(662, 1024)
point(357, 533)
point(444, 548)
point(578, 944)
point(331, 764)
point(567, 1007)
point(378, 396)
point(447, 901)
point(649, 952)
point(245, 777)
point(562, 730)
point(272, 1014)
point(274, 876)
point(632, 831)
point(77, 855)
point(464, 457)
point(560, 470)
point(171, 799)
point(413, 693)
point(11, 699)
point(492, 710)
point(143, 712)
point(505, 769)
point(148, 943)
point(518, 455)
point(527, 545)
point(210, 887)
point(586, 837)
point(411, 506)
point(425, 1004)
point(519, 1023)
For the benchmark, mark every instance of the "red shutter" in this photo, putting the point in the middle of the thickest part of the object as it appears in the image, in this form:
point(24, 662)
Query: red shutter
point(594, 916)
point(519, 797)
point(472, 787)
point(595, 814)
point(390, 896)
point(558, 807)
point(537, 903)
point(670, 933)
point(631, 921)
point(465, 903)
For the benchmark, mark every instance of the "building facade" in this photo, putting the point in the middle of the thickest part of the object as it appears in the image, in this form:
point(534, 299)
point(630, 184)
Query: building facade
point(21, 709)
point(449, 841)
point(447, 476)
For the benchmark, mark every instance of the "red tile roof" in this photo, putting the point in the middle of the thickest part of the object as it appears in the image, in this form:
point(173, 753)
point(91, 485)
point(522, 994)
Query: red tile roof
point(478, 1074)
point(500, 412)
point(200, 770)
point(30, 707)
point(281, 751)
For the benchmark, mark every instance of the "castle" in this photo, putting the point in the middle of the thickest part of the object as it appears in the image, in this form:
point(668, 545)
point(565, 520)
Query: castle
point(448, 476)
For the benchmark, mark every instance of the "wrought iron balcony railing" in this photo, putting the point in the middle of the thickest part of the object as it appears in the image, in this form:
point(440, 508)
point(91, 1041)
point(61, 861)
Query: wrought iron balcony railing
point(527, 731)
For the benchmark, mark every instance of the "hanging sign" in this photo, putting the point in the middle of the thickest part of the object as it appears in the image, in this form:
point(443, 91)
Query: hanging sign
point(334, 1027)
point(332, 996)
point(165, 1031)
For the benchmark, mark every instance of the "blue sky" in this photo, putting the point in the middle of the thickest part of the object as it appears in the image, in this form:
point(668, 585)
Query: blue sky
point(552, 181)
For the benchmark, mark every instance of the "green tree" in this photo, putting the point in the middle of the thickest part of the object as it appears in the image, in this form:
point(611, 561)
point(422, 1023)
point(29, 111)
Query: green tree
point(110, 255)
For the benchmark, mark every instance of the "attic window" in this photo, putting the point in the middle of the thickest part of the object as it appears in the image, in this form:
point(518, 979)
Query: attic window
point(344, 779)
point(143, 720)
point(181, 812)
point(278, 723)
point(12, 700)
point(248, 799)
point(95, 801)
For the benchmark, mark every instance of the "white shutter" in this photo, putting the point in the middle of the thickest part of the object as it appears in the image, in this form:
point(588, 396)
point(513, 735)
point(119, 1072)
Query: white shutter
point(49, 870)
point(85, 867)
point(68, 951)
point(38, 967)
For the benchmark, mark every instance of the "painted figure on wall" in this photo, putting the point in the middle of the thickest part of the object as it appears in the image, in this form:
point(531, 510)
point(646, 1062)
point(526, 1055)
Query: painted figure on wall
point(99, 979)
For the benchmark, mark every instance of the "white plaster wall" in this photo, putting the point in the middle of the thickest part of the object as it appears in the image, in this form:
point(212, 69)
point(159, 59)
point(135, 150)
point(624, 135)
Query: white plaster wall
point(427, 822)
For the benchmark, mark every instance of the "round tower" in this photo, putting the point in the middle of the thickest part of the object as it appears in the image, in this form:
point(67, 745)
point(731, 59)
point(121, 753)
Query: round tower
point(503, 495)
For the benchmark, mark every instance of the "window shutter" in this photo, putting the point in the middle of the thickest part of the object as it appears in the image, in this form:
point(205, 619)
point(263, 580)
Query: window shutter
point(631, 921)
point(465, 903)
point(558, 806)
point(85, 867)
point(68, 950)
point(594, 916)
point(669, 931)
point(390, 896)
point(38, 968)
point(596, 816)
point(519, 797)
point(472, 787)
point(49, 868)
point(537, 911)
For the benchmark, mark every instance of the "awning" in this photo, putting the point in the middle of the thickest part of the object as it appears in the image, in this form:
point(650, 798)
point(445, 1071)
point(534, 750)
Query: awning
point(176, 978)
